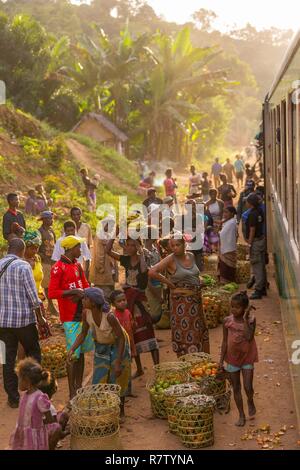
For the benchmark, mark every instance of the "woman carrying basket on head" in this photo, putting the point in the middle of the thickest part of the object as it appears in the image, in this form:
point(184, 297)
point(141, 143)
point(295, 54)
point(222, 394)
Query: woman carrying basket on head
point(112, 361)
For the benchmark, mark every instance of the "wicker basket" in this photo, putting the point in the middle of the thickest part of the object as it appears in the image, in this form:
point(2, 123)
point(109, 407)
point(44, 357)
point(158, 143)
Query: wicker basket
point(94, 419)
point(242, 252)
point(176, 371)
point(196, 358)
point(211, 264)
point(211, 309)
point(219, 389)
point(54, 358)
point(194, 417)
point(157, 400)
point(225, 305)
point(172, 394)
point(243, 272)
point(111, 388)
point(111, 442)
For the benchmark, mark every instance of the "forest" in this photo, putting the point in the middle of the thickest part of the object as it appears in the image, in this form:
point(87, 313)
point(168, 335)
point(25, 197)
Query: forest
point(180, 92)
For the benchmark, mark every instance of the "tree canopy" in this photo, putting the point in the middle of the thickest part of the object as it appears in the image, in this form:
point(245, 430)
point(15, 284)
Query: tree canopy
point(178, 92)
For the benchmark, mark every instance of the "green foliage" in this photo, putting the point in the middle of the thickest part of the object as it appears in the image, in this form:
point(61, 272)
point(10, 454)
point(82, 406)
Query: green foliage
point(154, 79)
point(50, 153)
point(111, 161)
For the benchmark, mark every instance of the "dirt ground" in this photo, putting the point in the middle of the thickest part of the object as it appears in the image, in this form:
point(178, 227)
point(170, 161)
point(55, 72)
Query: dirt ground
point(273, 395)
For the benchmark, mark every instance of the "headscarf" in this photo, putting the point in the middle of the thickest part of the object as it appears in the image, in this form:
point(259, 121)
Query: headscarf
point(32, 238)
point(96, 295)
point(70, 242)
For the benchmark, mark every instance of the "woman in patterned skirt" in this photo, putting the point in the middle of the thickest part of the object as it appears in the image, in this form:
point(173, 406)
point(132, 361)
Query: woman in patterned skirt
point(189, 331)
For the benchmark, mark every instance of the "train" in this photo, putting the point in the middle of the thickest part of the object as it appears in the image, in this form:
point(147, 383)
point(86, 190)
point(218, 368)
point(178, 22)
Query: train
point(281, 129)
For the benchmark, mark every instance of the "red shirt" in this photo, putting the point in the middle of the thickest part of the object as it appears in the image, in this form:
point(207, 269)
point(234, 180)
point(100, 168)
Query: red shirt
point(66, 275)
point(126, 321)
point(170, 186)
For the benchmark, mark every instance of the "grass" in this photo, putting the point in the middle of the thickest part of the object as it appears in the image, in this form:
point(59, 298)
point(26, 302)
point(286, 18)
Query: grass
point(46, 161)
point(110, 160)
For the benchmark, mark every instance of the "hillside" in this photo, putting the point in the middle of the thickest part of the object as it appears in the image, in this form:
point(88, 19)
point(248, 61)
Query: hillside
point(32, 153)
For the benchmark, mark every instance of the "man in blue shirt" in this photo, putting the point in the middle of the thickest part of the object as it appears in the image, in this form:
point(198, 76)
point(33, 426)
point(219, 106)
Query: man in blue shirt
point(19, 311)
point(239, 168)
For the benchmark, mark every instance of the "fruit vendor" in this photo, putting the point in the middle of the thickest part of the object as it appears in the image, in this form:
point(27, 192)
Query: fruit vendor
point(67, 282)
point(189, 332)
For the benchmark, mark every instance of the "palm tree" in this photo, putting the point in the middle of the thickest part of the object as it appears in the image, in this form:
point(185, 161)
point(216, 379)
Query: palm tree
point(178, 79)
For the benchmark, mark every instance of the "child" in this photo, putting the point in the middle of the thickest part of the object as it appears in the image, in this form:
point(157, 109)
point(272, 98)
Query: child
point(57, 428)
point(112, 351)
point(31, 432)
point(119, 301)
point(239, 350)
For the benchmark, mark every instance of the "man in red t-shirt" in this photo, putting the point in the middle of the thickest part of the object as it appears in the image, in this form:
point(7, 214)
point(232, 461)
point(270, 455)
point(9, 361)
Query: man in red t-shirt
point(67, 281)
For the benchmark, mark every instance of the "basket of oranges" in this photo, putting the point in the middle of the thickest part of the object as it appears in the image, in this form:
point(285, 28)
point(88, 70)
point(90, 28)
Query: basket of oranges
point(213, 383)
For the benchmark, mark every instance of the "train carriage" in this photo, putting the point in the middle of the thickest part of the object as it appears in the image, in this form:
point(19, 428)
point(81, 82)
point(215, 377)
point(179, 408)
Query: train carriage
point(281, 113)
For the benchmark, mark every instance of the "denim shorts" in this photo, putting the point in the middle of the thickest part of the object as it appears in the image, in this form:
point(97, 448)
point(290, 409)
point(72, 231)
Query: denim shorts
point(230, 368)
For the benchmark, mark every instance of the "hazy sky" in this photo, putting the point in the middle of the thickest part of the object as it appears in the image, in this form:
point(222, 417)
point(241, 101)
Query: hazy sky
point(261, 13)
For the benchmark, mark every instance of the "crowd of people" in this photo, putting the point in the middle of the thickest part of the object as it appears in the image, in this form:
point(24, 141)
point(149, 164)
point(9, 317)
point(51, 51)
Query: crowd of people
point(78, 274)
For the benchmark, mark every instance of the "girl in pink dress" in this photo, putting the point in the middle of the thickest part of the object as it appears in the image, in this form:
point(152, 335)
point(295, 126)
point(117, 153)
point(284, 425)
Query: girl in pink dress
point(31, 432)
point(57, 429)
point(239, 350)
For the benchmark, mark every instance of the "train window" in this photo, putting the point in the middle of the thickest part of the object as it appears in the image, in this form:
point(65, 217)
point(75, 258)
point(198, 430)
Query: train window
point(283, 139)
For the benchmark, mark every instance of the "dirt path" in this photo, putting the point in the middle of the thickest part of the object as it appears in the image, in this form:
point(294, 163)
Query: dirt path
point(273, 394)
point(86, 159)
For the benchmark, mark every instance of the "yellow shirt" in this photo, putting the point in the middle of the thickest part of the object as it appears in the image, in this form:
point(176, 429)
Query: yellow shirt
point(38, 276)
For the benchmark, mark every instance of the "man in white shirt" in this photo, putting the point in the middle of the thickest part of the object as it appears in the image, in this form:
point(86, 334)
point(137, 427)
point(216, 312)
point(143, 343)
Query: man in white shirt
point(85, 258)
point(194, 181)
